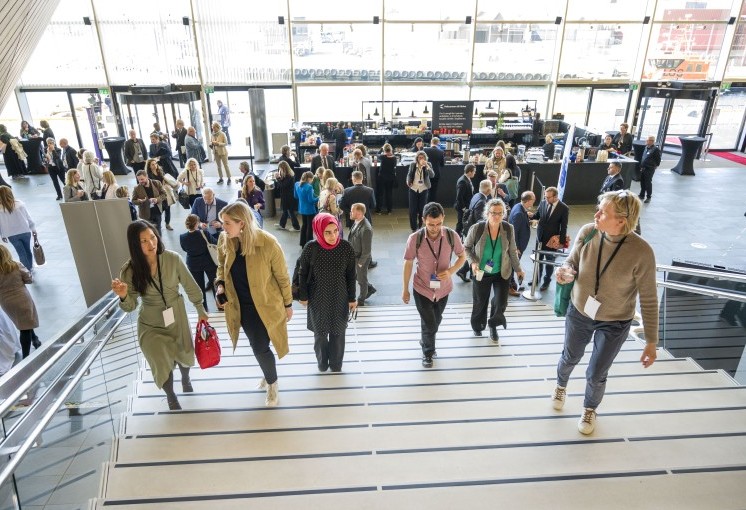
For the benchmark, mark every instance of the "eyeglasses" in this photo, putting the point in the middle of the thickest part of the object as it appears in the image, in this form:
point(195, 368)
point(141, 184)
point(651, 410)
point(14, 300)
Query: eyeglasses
point(493, 213)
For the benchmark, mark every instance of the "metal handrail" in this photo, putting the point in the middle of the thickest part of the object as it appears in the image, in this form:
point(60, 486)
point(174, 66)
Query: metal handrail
point(704, 291)
point(716, 275)
point(22, 377)
point(24, 434)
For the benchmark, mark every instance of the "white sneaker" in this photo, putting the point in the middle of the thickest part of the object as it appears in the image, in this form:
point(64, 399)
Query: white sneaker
point(296, 229)
point(587, 421)
point(272, 398)
point(279, 227)
point(262, 384)
point(558, 397)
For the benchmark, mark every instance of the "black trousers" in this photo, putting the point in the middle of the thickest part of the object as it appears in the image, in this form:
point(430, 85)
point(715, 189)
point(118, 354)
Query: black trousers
point(460, 222)
point(384, 195)
point(26, 336)
point(493, 284)
point(289, 213)
point(256, 332)
point(646, 182)
point(166, 212)
point(417, 203)
point(57, 175)
point(431, 314)
point(182, 157)
point(155, 218)
point(199, 277)
point(306, 229)
point(432, 193)
point(330, 350)
point(547, 270)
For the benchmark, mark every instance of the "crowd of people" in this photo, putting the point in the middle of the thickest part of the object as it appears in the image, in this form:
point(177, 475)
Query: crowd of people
point(249, 279)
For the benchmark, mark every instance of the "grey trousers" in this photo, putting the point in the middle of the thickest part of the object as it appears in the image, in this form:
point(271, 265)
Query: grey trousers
point(362, 277)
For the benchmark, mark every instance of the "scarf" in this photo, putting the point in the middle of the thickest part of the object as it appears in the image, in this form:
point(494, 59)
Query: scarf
point(320, 222)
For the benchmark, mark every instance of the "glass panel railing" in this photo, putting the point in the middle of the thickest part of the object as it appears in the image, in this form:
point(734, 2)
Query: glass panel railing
point(59, 431)
point(703, 316)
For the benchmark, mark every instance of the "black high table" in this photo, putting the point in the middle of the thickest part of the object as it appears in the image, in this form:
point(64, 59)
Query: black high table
point(638, 146)
point(32, 147)
point(113, 146)
point(690, 145)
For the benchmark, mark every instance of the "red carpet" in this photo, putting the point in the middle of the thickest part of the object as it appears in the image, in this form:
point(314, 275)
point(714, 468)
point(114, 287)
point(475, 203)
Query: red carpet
point(736, 157)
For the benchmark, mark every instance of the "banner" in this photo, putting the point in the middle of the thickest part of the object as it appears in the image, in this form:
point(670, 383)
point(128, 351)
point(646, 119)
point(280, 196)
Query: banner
point(452, 117)
point(565, 162)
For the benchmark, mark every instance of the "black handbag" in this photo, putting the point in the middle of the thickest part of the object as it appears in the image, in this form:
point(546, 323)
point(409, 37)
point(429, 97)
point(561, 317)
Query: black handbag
point(184, 199)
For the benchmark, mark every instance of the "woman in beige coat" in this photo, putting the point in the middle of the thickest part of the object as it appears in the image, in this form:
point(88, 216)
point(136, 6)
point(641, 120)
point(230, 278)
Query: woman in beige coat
point(218, 144)
point(16, 301)
point(253, 287)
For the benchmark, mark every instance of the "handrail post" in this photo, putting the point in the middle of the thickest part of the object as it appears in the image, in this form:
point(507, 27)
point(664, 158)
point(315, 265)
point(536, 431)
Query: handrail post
point(532, 294)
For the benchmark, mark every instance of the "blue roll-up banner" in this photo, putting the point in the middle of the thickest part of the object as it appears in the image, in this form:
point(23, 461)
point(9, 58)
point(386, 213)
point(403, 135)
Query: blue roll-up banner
point(565, 162)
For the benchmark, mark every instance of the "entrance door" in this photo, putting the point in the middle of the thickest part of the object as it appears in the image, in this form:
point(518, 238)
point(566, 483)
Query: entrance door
point(142, 112)
point(670, 113)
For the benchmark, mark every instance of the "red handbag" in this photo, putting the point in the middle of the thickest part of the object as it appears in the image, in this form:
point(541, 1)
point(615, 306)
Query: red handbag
point(206, 345)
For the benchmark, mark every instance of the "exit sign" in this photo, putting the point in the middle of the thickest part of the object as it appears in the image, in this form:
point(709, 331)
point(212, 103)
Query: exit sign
point(725, 85)
point(209, 90)
point(103, 91)
point(634, 86)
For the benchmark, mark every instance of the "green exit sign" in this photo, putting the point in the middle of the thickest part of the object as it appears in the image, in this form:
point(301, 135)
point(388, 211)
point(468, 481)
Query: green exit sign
point(209, 90)
point(634, 86)
point(103, 91)
point(725, 85)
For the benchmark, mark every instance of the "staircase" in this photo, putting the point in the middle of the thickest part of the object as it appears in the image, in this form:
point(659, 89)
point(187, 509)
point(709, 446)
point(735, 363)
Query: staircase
point(476, 431)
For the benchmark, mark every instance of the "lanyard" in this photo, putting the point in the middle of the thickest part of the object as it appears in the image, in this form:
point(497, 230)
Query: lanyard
point(493, 243)
point(598, 263)
point(440, 249)
point(160, 280)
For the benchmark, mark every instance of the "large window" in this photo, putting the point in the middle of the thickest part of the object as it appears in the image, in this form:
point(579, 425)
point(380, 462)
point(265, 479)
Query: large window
point(600, 51)
point(334, 52)
point(508, 52)
point(320, 103)
point(608, 108)
point(572, 102)
point(332, 10)
point(606, 10)
point(737, 62)
point(427, 52)
point(68, 52)
point(241, 44)
point(728, 119)
point(150, 45)
point(412, 10)
point(540, 10)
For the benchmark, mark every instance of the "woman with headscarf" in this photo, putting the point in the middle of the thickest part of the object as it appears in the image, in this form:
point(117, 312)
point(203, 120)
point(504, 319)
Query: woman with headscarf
point(254, 287)
point(327, 281)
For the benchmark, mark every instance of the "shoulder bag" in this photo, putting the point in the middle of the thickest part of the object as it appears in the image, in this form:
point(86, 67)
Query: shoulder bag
point(206, 345)
point(564, 290)
point(39, 257)
point(212, 249)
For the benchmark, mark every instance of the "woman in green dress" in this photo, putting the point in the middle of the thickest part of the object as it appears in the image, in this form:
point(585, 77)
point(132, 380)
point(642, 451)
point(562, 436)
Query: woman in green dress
point(154, 274)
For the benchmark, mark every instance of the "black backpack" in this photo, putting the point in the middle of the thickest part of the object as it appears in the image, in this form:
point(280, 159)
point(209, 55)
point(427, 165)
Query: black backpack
point(421, 236)
point(470, 215)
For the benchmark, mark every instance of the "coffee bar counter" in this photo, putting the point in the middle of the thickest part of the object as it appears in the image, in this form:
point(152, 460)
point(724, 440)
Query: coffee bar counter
point(583, 180)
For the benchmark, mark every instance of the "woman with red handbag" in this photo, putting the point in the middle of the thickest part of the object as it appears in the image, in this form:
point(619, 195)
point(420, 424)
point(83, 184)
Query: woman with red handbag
point(253, 287)
point(155, 275)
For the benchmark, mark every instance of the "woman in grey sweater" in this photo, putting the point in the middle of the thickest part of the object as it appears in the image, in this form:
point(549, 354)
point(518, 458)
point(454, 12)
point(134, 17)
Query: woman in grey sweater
point(611, 267)
point(491, 251)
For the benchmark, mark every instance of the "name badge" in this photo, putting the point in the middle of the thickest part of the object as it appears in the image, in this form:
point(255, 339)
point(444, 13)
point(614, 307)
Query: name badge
point(434, 282)
point(168, 316)
point(489, 267)
point(591, 307)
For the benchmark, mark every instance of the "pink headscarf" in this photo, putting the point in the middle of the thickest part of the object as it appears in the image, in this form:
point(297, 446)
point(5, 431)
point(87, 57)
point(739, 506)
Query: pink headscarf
point(320, 222)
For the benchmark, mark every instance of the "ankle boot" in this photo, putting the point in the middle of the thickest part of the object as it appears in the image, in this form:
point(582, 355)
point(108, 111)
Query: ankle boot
point(168, 389)
point(186, 382)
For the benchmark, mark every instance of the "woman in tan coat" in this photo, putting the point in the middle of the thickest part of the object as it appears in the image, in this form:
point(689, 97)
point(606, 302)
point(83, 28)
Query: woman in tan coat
point(253, 287)
point(218, 144)
point(16, 301)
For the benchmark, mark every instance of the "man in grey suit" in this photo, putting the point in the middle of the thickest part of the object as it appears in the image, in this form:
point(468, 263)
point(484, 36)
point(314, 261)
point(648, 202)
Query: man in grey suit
point(361, 239)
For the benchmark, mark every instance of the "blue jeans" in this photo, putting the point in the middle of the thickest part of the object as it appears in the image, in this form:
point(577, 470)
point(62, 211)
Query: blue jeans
point(22, 244)
point(608, 338)
point(259, 217)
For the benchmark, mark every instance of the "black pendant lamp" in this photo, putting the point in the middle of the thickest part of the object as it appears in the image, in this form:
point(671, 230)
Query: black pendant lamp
point(375, 113)
point(426, 111)
point(398, 113)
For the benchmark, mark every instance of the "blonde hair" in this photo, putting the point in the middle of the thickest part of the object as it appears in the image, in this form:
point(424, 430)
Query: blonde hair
point(284, 169)
point(215, 124)
point(88, 157)
point(122, 192)
point(7, 264)
point(7, 200)
point(306, 176)
point(328, 174)
point(69, 177)
point(240, 211)
point(108, 178)
point(331, 184)
point(626, 206)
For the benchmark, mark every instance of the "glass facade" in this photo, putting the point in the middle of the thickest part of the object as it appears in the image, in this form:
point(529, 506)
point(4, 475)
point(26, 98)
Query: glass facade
point(332, 57)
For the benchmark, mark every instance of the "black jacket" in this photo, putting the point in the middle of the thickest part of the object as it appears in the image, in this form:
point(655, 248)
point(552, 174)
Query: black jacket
point(651, 158)
point(355, 194)
point(197, 256)
point(285, 187)
point(556, 224)
point(180, 135)
point(293, 164)
point(70, 156)
point(386, 169)
point(612, 183)
point(464, 192)
point(436, 158)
